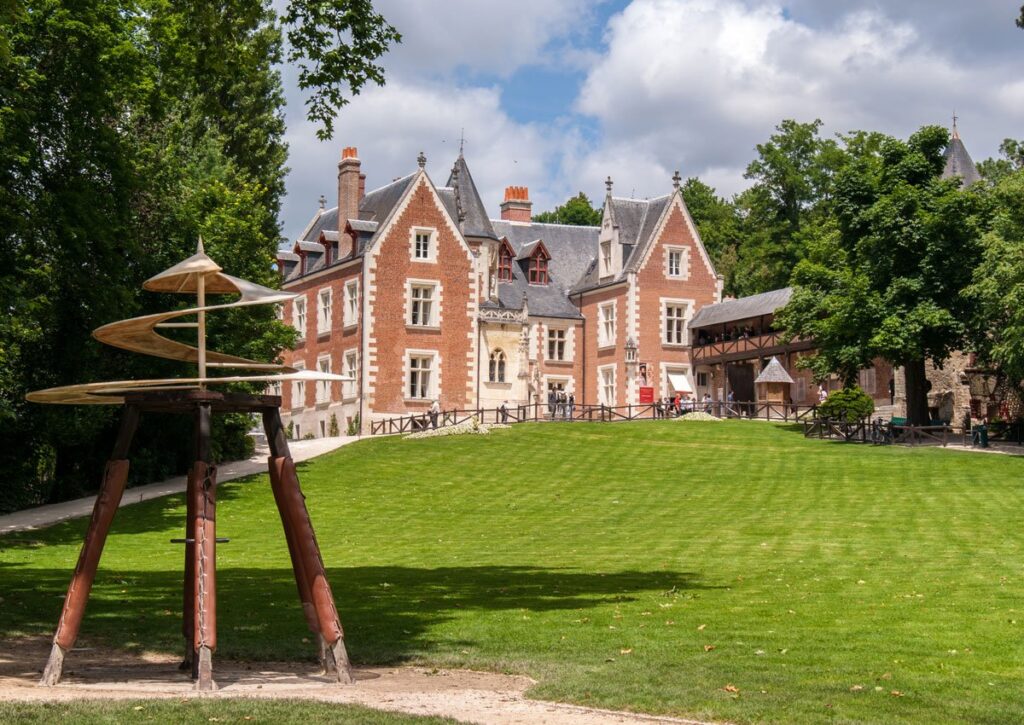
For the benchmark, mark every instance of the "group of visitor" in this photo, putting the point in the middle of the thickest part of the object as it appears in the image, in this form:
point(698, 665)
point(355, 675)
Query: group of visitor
point(561, 404)
point(679, 404)
point(744, 332)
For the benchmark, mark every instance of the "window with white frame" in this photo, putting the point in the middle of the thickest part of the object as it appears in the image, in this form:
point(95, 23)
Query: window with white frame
point(675, 323)
point(323, 316)
point(274, 389)
point(421, 369)
point(422, 243)
point(352, 371)
point(606, 322)
point(556, 344)
point(351, 311)
point(323, 387)
point(606, 381)
point(299, 389)
point(677, 262)
point(299, 315)
point(496, 368)
point(421, 305)
point(606, 258)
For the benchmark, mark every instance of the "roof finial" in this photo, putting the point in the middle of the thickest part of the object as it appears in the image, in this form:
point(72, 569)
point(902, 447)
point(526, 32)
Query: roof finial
point(608, 185)
point(956, 131)
point(421, 160)
point(676, 178)
point(323, 202)
point(199, 246)
point(462, 140)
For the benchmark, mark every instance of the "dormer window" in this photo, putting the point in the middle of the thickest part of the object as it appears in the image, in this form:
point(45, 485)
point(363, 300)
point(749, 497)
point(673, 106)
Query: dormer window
point(538, 270)
point(505, 262)
point(606, 258)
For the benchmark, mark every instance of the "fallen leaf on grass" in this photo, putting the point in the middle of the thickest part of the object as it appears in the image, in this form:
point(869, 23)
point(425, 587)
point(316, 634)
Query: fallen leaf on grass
point(708, 647)
point(701, 627)
point(896, 693)
point(731, 688)
point(856, 688)
point(138, 707)
point(626, 651)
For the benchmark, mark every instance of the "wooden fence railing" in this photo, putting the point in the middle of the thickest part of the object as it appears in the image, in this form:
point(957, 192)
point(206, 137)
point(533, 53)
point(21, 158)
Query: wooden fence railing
point(589, 413)
point(879, 431)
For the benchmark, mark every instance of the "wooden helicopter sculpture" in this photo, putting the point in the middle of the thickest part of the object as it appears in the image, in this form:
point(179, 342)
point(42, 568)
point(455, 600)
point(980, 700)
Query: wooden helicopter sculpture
point(198, 275)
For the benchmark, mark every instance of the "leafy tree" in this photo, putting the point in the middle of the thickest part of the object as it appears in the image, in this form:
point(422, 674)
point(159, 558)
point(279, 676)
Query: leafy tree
point(793, 177)
point(127, 129)
point(576, 211)
point(998, 286)
point(718, 222)
point(995, 170)
point(889, 281)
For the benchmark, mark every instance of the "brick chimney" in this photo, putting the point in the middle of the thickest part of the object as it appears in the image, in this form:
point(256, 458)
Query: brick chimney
point(350, 187)
point(517, 204)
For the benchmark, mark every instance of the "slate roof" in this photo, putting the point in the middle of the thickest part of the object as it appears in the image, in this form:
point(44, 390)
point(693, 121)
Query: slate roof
point(959, 163)
point(774, 373)
point(475, 222)
point(743, 308)
point(360, 225)
point(572, 249)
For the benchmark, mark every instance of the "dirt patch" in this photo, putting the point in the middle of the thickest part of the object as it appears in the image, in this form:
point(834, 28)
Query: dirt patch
point(479, 697)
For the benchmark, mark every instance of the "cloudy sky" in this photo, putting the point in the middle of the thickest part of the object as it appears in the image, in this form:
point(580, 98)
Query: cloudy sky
point(558, 94)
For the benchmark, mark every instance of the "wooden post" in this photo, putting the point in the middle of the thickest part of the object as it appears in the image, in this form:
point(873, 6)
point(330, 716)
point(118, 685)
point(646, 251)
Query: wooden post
point(188, 609)
point(204, 554)
point(107, 501)
point(295, 516)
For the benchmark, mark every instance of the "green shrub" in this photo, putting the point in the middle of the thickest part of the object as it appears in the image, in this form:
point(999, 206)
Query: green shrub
point(332, 427)
point(290, 430)
point(850, 404)
point(353, 426)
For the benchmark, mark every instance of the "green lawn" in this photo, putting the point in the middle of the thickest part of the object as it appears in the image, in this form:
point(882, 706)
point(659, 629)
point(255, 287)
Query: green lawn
point(227, 710)
point(654, 566)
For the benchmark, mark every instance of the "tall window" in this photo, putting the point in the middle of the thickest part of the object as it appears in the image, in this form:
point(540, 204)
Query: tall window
point(505, 263)
point(497, 367)
point(608, 385)
point(675, 263)
point(323, 319)
point(421, 305)
point(352, 371)
point(606, 331)
point(538, 269)
point(675, 324)
point(419, 376)
point(606, 258)
point(299, 318)
point(351, 311)
point(556, 344)
point(867, 380)
point(299, 390)
point(421, 245)
point(323, 387)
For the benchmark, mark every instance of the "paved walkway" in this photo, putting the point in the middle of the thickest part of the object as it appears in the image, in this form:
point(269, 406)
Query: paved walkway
point(40, 516)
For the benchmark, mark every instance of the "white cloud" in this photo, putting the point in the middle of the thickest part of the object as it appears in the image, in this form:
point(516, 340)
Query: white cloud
point(391, 125)
point(699, 83)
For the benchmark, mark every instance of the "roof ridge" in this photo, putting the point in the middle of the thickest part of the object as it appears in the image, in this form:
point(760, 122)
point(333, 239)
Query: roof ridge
point(550, 224)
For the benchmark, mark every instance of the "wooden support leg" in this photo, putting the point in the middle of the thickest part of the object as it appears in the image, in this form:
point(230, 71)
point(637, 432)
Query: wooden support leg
point(295, 518)
point(204, 556)
point(107, 501)
point(301, 578)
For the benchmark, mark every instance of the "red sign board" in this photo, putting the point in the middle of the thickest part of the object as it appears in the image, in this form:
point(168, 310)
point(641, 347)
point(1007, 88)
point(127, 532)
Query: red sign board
point(646, 395)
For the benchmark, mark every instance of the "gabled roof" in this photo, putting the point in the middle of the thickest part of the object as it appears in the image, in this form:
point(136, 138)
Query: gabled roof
point(959, 162)
point(744, 308)
point(655, 210)
point(528, 250)
point(377, 204)
point(360, 225)
point(465, 197)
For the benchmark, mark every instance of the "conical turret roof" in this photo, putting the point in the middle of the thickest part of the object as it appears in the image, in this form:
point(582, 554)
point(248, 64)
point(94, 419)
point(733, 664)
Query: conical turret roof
point(959, 162)
point(475, 222)
point(774, 373)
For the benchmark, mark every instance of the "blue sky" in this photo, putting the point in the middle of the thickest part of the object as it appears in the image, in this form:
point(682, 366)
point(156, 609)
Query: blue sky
point(558, 94)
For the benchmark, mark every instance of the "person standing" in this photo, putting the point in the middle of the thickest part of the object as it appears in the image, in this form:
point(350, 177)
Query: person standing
point(552, 398)
point(435, 410)
point(572, 404)
point(503, 411)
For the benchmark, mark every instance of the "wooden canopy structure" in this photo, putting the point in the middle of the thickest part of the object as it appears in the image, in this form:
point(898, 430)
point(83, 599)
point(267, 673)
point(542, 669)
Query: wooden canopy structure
point(774, 378)
point(194, 397)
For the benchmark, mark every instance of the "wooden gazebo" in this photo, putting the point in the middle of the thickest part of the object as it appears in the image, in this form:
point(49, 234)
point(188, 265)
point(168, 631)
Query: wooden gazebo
point(775, 380)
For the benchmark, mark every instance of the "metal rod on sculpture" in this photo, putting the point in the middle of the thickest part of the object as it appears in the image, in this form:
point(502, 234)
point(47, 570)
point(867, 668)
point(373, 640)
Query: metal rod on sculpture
point(201, 323)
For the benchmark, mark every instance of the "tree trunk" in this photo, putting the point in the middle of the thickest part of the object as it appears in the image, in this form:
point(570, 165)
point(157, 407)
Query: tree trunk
point(917, 392)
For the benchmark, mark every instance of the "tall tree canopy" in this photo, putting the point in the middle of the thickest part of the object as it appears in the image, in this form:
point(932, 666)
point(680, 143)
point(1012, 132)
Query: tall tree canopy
point(577, 211)
point(719, 223)
point(889, 279)
point(127, 129)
